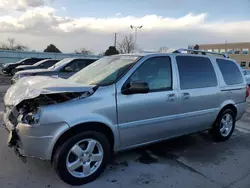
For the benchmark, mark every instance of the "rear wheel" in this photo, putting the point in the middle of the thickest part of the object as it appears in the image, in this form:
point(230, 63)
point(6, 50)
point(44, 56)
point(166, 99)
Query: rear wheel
point(224, 125)
point(82, 158)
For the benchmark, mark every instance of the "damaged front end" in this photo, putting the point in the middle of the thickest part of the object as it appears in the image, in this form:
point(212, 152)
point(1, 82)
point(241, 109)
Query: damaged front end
point(26, 108)
point(28, 112)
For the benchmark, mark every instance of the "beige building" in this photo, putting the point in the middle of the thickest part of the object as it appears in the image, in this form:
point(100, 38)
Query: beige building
point(238, 51)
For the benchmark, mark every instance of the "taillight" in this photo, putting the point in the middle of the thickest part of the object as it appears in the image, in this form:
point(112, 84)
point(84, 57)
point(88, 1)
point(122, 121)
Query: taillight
point(247, 91)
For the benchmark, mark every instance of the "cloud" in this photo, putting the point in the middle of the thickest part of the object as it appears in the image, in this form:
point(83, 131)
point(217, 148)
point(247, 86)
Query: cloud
point(20, 5)
point(63, 8)
point(118, 14)
point(44, 26)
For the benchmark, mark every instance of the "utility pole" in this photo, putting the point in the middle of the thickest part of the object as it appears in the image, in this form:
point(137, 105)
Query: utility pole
point(136, 29)
point(115, 40)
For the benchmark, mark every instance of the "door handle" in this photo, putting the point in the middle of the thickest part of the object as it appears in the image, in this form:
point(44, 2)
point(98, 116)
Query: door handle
point(171, 97)
point(185, 96)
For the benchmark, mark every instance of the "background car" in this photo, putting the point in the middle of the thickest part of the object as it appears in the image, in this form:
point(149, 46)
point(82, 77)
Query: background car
point(10, 67)
point(44, 64)
point(247, 75)
point(64, 69)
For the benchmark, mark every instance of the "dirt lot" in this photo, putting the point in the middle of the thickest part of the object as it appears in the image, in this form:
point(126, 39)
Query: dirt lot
point(190, 161)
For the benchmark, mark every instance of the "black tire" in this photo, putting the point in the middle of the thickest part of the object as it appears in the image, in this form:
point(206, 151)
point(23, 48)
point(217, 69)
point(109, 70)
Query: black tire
point(216, 133)
point(60, 157)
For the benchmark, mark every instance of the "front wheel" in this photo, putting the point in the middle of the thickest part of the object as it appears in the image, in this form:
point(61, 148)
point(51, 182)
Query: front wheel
point(82, 158)
point(224, 125)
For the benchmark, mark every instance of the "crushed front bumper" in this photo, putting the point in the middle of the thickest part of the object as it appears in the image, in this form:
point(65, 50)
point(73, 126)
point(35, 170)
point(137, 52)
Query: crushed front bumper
point(37, 142)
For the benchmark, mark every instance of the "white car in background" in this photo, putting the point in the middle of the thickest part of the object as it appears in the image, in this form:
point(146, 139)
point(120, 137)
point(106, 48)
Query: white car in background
point(247, 75)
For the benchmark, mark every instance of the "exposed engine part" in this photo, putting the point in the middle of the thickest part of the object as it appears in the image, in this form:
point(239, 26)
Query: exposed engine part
point(28, 110)
point(31, 105)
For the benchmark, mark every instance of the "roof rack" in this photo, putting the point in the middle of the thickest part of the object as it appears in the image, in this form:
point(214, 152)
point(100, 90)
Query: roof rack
point(202, 52)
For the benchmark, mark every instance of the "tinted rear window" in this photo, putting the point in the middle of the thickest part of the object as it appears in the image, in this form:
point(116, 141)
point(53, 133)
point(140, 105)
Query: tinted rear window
point(230, 72)
point(195, 72)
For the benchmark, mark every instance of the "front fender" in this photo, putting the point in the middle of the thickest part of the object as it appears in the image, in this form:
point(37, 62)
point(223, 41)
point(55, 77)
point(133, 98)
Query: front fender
point(97, 118)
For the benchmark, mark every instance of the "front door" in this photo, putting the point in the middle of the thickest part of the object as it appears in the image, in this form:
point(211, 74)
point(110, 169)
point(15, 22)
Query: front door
point(152, 116)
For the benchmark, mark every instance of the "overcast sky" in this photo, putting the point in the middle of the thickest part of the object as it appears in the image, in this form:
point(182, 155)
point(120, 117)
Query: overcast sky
point(74, 24)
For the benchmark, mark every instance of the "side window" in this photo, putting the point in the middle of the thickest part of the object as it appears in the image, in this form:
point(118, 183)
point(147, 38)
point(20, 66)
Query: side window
point(195, 72)
point(230, 72)
point(156, 72)
point(243, 64)
point(29, 61)
point(90, 61)
point(70, 67)
point(49, 64)
point(81, 63)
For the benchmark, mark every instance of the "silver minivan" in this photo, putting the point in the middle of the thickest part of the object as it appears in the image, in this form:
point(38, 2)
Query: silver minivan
point(122, 102)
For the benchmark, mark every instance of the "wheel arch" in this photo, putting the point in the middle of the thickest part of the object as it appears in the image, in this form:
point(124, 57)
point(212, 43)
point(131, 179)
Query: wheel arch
point(81, 127)
point(227, 106)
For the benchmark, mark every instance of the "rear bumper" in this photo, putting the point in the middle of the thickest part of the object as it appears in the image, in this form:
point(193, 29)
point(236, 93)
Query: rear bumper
point(241, 109)
point(36, 141)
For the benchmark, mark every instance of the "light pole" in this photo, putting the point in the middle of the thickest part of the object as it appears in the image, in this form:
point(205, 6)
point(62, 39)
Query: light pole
point(136, 29)
point(115, 40)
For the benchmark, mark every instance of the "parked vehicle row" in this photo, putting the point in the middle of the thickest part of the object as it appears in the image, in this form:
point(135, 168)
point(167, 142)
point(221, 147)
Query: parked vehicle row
point(78, 122)
point(9, 68)
point(43, 64)
point(63, 69)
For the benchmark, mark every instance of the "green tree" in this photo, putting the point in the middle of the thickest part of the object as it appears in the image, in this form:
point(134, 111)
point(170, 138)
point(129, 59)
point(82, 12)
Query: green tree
point(111, 51)
point(52, 48)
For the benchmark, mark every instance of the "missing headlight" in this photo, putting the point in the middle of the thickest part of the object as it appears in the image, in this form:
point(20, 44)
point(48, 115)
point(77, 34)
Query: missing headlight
point(32, 118)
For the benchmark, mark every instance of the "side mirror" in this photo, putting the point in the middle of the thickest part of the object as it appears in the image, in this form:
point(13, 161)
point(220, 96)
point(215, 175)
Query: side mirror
point(135, 87)
point(42, 65)
point(68, 69)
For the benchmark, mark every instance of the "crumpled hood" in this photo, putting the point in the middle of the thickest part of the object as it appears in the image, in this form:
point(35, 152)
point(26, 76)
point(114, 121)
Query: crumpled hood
point(34, 71)
point(29, 88)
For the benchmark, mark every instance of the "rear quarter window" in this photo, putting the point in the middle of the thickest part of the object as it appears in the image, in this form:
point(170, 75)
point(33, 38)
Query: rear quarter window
point(230, 72)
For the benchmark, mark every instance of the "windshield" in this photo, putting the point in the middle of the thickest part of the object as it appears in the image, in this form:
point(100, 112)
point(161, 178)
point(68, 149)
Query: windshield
point(59, 64)
point(105, 71)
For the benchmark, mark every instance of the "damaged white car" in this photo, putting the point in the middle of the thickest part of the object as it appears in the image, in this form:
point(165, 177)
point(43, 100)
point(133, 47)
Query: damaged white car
point(120, 102)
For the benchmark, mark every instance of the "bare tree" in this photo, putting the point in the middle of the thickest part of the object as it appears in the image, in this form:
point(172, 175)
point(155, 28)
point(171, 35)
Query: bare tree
point(83, 51)
point(127, 45)
point(163, 49)
point(11, 44)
